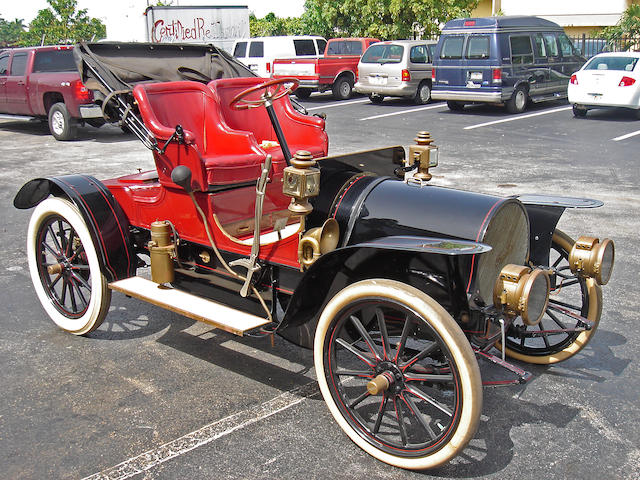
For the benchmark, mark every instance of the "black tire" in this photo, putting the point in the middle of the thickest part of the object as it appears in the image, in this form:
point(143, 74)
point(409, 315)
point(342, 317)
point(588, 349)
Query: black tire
point(342, 88)
point(303, 93)
point(423, 94)
point(65, 268)
point(579, 112)
point(518, 101)
point(455, 106)
point(375, 98)
point(61, 125)
point(382, 329)
point(578, 296)
point(96, 122)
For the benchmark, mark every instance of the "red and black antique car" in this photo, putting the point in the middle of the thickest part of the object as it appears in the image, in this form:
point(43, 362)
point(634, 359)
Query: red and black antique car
point(398, 285)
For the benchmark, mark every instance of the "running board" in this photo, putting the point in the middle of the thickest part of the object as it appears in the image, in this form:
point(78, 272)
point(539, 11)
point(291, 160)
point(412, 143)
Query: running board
point(198, 308)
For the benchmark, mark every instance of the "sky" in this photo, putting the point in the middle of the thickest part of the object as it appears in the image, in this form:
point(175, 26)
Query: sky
point(28, 9)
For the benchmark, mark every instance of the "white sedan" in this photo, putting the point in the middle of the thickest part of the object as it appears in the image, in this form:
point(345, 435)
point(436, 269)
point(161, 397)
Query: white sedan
point(607, 80)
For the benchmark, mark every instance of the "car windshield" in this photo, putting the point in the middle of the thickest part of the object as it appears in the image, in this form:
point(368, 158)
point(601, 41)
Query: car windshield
point(383, 54)
point(624, 64)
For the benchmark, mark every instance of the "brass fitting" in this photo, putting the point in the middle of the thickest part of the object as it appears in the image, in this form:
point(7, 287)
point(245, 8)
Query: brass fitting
point(591, 258)
point(162, 251)
point(301, 181)
point(318, 241)
point(425, 153)
point(522, 291)
point(379, 384)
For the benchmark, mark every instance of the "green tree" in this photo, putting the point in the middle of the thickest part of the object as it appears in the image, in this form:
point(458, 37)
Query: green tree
point(272, 25)
point(10, 32)
point(62, 23)
point(385, 19)
point(625, 30)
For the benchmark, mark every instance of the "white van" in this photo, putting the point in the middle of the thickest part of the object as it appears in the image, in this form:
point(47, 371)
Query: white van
point(258, 53)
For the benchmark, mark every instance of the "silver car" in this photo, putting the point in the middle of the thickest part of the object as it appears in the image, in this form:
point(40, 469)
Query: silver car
point(398, 68)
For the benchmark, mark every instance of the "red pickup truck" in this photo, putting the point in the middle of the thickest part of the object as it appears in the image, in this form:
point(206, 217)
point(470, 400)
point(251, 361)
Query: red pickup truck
point(336, 70)
point(42, 82)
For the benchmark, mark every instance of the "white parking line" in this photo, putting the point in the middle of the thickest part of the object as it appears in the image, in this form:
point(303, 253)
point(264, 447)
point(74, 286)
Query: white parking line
point(512, 119)
point(338, 104)
point(402, 112)
point(206, 434)
point(628, 135)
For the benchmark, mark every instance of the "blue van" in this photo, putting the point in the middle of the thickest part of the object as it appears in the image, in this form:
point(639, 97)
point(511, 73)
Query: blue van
point(503, 60)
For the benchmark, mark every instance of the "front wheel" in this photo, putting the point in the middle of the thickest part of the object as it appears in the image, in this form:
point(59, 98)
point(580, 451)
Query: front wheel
point(65, 269)
point(61, 125)
point(397, 374)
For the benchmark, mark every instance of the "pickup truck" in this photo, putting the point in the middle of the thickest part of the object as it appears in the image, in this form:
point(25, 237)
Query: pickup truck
point(336, 70)
point(43, 83)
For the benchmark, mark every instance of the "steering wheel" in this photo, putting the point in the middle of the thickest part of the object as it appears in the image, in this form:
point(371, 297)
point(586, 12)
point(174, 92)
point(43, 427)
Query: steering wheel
point(274, 89)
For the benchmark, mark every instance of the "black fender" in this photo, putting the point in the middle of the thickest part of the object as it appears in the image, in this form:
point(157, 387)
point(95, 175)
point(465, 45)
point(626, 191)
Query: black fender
point(544, 213)
point(436, 266)
point(105, 219)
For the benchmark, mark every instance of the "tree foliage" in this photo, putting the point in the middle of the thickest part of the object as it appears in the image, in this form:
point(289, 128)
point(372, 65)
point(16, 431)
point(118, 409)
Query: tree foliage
point(62, 23)
point(384, 19)
point(10, 32)
point(272, 25)
point(628, 26)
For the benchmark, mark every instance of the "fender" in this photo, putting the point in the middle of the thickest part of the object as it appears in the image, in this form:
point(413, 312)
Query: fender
point(106, 222)
point(544, 213)
point(436, 266)
point(343, 71)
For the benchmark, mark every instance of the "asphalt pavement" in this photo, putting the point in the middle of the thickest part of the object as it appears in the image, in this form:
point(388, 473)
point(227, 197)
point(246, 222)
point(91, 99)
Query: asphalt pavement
point(154, 395)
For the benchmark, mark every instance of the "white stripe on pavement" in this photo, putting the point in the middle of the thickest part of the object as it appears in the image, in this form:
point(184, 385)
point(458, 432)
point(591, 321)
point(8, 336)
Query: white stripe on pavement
point(206, 434)
point(402, 112)
point(338, 104)
point(628, 135)
point(512, 119)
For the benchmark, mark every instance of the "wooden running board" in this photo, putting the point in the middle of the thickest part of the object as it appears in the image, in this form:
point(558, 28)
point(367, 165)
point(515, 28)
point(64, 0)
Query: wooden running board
point(201, 309)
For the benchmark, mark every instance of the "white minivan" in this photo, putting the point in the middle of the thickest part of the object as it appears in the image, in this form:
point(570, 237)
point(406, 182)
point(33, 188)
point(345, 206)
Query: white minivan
point(258, 53)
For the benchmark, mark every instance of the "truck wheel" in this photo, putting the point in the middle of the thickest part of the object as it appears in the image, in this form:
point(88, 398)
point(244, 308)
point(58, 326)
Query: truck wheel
point(342, 88)
point(303, 93)
point(397, 374)
point(65, 269)
point(375, 98)
point(518, 101)
point(423, 94)
point(61, 125)
point(455, 106)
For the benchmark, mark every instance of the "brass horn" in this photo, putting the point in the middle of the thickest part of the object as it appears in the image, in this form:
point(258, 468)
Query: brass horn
point(318, 241)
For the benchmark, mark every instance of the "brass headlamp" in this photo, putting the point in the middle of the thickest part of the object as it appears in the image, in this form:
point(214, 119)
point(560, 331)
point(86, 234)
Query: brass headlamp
point(425, 154)
point(301, 181)
point(594, 259)
point(522, 291)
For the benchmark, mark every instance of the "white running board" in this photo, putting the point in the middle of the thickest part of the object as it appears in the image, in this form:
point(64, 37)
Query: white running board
point(198, 308)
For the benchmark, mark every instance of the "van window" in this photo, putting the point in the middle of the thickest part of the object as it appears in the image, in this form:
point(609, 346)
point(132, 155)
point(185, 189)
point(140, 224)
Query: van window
point(345, 47)
point(452, 47)
point(551, 45)
point(478, 46)
point(538, 42)
point(304, 47)
point(322, 44)
point(4, 64)
point(256, 49)
point(566, 47)
point(521, 51)
point(240, 50)
point(383, 54)
point(54, 61)
point(19, 64)
point(418, 54)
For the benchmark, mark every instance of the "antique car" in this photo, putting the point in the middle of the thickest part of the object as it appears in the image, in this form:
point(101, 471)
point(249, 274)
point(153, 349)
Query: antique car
point(398, 285)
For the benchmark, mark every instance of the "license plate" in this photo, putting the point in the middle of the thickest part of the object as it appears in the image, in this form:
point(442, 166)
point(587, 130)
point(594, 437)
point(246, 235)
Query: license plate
point(476, 76)
point(378, 80)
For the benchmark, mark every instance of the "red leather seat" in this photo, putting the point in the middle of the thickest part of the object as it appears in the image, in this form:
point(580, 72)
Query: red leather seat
point(222, 144)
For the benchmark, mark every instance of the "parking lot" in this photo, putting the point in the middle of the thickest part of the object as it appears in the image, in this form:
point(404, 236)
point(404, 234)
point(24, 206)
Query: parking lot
point(154, 395)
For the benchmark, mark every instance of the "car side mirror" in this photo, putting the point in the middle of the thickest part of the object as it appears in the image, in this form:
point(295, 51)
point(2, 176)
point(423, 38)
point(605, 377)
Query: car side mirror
point(181, 175)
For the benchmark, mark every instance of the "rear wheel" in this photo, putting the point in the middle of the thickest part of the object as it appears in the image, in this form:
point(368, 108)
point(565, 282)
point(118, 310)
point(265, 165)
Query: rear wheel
point(303, 93)
point(65, 269)
point(423, 94)
point(455, 106)
point(397, 374)
point(377, 99)
point(61, 125)
point(572, 296)
point(579, 112)
point(342, 88)
point(518, 101)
